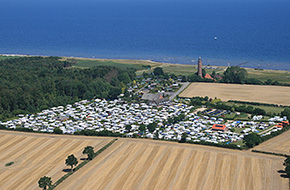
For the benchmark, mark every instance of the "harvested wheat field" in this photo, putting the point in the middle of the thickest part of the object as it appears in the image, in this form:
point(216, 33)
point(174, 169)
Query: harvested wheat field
point(251, 93)
point(279, 144)
point(146, 164)
point(37, 155)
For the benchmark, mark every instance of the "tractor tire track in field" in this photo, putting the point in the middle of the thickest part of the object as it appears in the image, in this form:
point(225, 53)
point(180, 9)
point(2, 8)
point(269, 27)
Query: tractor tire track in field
point(135, 164)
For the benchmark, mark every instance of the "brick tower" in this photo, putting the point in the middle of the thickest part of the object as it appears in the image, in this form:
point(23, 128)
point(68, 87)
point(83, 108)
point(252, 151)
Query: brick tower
point(199, 68)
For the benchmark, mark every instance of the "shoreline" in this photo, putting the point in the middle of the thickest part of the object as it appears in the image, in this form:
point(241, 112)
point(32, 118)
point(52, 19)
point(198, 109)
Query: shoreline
point(145, 60)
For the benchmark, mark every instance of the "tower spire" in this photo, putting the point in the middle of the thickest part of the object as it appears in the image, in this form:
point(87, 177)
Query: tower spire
point(199, 67)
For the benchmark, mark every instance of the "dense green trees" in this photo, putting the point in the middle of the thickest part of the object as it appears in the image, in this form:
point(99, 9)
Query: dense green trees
point(30, 84)
point(258, 111)
point(158, 71)
point(151, 127)
point(71, 161)
point(156, 135)
point(235, 74)
point(183, 138)
point(142, 128)
point(128, 128)
point(286, 112)
point(104, 133)
point(197, 101)
point(287, 164)
point(57, 130)
point(45, 182)
point(89, 150)
point(252, 139)
point(253, 81)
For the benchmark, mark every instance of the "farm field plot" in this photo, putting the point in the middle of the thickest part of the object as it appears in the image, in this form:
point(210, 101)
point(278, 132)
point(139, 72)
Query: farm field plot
point(251, 93)
point(38, 155)
point(279, 144)
point(146, 164)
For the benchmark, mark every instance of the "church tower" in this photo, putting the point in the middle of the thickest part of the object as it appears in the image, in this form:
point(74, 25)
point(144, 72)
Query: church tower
point(199, 68)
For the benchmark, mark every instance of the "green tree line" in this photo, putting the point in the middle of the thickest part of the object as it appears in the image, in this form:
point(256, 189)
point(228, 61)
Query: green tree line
point(30, 84)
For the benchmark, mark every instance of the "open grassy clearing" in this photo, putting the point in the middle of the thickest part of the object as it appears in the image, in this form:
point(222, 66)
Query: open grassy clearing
point(37, 155)
point(271, 109)
point(250, 93)
point(145, 164)
point(279, 144)
point(275, 75)
point(120, 63)
point(7, 57)
point(177, 69)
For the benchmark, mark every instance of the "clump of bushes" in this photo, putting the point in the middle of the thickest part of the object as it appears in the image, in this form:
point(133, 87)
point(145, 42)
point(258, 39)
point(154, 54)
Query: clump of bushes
point(9, 163)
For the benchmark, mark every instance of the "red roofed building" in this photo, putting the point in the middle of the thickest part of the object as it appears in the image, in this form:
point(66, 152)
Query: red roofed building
point(218, 127)
point(207, 76)
point(280, 125)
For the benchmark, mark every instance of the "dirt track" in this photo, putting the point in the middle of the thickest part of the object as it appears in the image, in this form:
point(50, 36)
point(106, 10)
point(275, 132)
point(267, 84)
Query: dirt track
point(144, 164)
point(37, 155)
point(251, 93)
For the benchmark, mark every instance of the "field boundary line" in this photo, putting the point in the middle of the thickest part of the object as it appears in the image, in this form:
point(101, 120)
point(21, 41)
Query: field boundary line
point(59, 181)
point(187, 85)
point(271, 153)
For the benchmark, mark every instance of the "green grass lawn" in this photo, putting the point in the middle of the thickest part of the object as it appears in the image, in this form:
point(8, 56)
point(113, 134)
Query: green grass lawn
point(96, 63)
point(241, 143)
point(242, 116)
point(236, 117)
point(7, 57)
point(238, 130)
point(263, 75)
point(229, 116)
point(272, 109)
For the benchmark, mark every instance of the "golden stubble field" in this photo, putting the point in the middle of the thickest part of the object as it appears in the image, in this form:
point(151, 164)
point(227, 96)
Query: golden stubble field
point(251, 93)
point(146, 164)
point(134, 164)
point(37, 155)
point(279, 144)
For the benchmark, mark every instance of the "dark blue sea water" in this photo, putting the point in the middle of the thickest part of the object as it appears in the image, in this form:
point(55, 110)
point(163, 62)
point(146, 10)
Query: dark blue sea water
point(255, 34)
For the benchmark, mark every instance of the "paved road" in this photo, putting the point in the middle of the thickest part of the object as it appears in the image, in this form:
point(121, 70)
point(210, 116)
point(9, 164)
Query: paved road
point(184, 85)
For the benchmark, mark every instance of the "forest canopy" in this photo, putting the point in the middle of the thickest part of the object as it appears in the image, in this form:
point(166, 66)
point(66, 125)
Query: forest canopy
point(31, 84)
